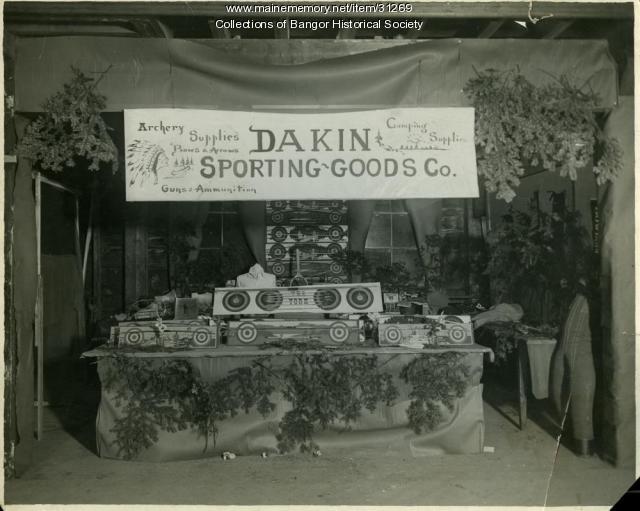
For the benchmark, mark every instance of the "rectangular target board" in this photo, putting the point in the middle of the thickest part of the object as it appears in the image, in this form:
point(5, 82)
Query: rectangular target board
point(333, 332)
point(321, 299)
point(194, 333)
point(427, 330)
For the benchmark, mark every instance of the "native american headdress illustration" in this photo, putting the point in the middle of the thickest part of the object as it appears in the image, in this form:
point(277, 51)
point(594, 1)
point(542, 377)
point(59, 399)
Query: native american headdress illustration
point(143, 161)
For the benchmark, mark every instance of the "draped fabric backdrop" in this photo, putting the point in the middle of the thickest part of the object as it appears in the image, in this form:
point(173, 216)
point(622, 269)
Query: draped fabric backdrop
point(144, 73)
point(289, 75)
point(618, 296)
point(25, 287)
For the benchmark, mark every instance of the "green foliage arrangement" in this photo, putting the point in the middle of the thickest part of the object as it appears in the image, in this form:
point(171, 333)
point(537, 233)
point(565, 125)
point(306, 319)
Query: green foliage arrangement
point(215, 267)
point(70, 127)
point(211, 268)
point(353, 262)
point(396, 277)
point(537, 258)
point(169, 395)
point(456, 260)
point(322, 389)
point(436, 379)
point(503, 336)
point(553, 126)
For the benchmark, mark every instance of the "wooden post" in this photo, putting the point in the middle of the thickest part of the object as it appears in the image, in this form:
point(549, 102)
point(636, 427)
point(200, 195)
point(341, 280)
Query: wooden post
point(522, 387)
point(38, 334)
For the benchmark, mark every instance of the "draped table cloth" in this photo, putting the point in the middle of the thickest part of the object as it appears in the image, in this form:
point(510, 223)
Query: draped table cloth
point(385, 429)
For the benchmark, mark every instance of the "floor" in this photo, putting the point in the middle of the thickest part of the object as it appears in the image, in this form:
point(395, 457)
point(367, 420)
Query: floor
point(525, 468)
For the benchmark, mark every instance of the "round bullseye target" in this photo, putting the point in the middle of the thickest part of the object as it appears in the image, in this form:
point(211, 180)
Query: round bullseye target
point(335, 204)
point(277, 251)
point(334, 249)
point(392, 335)
point(269, 300)
point(336, 233)
point(457, 334)
point(278, 269)
point(327, 298)
point(200, 337)
point(359, 298)
point(247, 333)
point(338, 332)
point(235, 301)
point(335, 218)
point(335, 268)
point(279, 234)
point(134, 337)
point(277, 217)
point(278, 204)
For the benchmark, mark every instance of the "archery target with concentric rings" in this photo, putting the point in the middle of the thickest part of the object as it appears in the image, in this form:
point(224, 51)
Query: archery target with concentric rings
point(269, 300)
point(359, 297)
point(278, 204)
point(278, 269)
point(338, 332)
point(335, 268)
point(277, 251)
point(335, 233)
point(392, 335)
point(457, 334)
point(247, 333)
point(334, 249)
point(327, 298)
point(134, 337)
point(236, 301)
point(201, 337)
point(279, 234)
point(335, 218)
point(277, 217)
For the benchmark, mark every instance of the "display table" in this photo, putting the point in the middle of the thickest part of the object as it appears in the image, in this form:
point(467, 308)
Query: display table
point(461, 431)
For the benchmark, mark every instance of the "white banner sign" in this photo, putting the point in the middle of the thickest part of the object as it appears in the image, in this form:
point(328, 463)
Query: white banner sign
point(214, 155)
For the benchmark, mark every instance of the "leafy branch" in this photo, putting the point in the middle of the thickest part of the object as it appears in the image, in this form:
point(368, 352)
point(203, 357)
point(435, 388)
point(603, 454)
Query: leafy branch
point(435, 379)
point(71, 127)
point(536, 259)
point(552, 126)
point(325, 390)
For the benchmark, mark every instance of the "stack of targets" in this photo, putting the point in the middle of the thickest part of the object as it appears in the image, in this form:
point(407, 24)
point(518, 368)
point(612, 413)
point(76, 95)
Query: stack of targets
point(312, 231)
point(297, 313)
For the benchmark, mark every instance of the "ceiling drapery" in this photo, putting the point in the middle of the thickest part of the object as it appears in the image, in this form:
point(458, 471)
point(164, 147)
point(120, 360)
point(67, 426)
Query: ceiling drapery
point(241, 74)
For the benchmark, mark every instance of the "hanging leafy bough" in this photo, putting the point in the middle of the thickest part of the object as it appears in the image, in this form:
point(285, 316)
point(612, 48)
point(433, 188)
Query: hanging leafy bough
point(552, 126)
point(436, 379)
point(71, 127)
